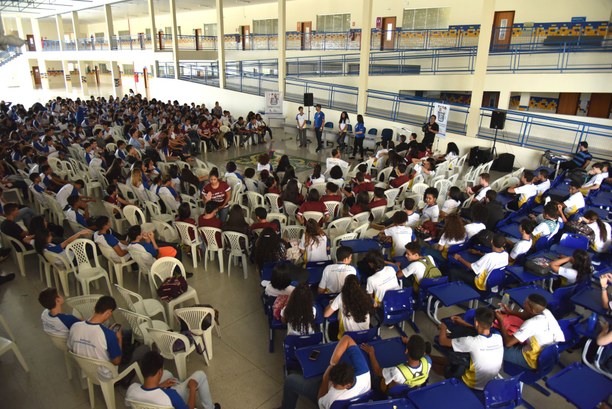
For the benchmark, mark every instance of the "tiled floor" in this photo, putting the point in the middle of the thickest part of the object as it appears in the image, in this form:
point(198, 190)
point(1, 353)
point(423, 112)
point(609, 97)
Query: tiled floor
point(242, 375)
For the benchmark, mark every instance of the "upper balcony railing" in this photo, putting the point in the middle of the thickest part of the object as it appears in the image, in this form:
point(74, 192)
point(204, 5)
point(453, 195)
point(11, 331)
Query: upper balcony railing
point(10, 53)
point(50, 45)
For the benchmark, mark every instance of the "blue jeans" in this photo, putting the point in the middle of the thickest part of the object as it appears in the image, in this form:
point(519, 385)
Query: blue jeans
point(514, 355)
point(296, 385)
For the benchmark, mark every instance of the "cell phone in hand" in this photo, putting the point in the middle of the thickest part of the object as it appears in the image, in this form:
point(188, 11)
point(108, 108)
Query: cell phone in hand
point(116, 327)
point(314, 355)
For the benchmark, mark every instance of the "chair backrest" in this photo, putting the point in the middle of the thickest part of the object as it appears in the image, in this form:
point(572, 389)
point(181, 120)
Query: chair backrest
point(194, 317)
point(134, 215)
point(84, 258)
point(320, 187)
point(272, 200)
point(186, 232)
point(364, 336)
point(503, 393)
point(419, 189)
point(547, 360)
point(332, 208)
point(141, 405)
point(210, 237)
point(495, 279)
point(18, 245)
point(91, 367)
point(233, 239)
point(164, 340)
point(293, 232)
point(383, 175)
point(290, 209)
point(378, 213)
point(59, 342)
point(128, 296)
point(83, 304)
point(360, 230)
point(142, 258)
point(280, 217)
point(575, 241)
point(339, 226)
point(293, 342)
point(164, 267)
point(360, 218)
point(254, 199)
point(139, 324)
point(391, 195)
point(316, 216)
point(398, 301)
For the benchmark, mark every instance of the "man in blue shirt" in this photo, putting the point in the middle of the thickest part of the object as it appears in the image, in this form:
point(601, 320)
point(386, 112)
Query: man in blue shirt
point(161, 388)
point(319, 123)
point(581, 159)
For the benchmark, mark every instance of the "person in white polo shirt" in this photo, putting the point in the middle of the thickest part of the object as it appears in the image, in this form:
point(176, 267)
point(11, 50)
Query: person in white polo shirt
point(486, 349)
point(497, 258)
point(300, 118)
point(336, 160)
point(525, 191)
point(575, 201)
point(71, 189)
point(334, 275)
point(385, 278)
point(54, 321)
point(399, 233)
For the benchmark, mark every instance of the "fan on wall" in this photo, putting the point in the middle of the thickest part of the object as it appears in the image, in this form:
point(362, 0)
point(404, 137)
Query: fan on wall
point(9, 40)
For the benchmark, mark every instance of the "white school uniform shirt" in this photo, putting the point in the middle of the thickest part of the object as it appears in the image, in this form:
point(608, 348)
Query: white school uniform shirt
point(381, 282)
point(450, 206)
point(63, 194)
point(331, 162)
point(444, 242)
point(431, 213)
point(596, 180)
point(542, 187)
point(525, 192)
point(482, 193)
point(400, 236)
point(568, 272)
point(315, 251)
point(485, 265)
point(301, 119)
point(348, 323)
point(473, 229)
point(573, 203)
point(275, 292)
point(543, 230)
point(413, 219)
point(417, 268)
point(521, 247)
point(334, 275)
point(541, 331)
point(486, 358)
point(363, 383)
point(599, 245)
point(58, 325)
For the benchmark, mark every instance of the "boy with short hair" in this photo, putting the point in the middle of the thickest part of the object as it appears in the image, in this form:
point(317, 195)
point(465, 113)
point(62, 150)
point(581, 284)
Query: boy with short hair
point(431, 211)
point(420, 267)
point(525, 191)
point(262, 214)
point(398, 232)
point(54, 321)
point(334, 275)
point(575, 201)
point(524, 244)
point(481, 189)
point(402, 176)
point(497, 258)
point(542, 184)
point(331, 193)
point(550, 222)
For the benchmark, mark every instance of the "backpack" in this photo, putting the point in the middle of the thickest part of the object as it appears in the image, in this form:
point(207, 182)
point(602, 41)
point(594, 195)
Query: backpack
point(574, 226)
point(171, 288)
point(539, 266)
point(431, 271)
point(483, 238)
point(279, 303)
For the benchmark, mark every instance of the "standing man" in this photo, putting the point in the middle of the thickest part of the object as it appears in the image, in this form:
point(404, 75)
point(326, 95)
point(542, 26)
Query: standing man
point(430, 129)
point(300, 118)
point(319, 122)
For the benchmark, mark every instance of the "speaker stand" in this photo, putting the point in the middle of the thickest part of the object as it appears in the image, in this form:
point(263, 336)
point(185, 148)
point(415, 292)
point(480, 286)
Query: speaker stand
point(309, 113)
point(494, 149)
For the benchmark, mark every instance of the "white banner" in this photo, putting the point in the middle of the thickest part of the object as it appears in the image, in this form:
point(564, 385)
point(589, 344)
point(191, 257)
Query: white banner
point(441, 111)
point(274, 102)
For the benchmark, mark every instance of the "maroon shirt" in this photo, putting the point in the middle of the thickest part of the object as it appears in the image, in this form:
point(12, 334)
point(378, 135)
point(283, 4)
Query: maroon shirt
point(397, 182)
point(331, 198)
point(312, 207)
point(266, 224)
point(378, 203)
point(363, 187)
point(218, 194)
point(212, 222)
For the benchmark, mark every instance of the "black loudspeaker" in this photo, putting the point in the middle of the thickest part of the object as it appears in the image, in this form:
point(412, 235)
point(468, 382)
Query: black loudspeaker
point(504, 163)
point(308, 99)
point(478, 156)
point(498, 119)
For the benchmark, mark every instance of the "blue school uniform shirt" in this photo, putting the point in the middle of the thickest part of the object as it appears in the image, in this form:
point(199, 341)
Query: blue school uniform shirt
point(149, 248)
point(318, 119)
point(157, 396)
point(111, 240)
point(39, 147)
point(55, 248)
point(581, 157)
point(360, 128)
point(88, 158)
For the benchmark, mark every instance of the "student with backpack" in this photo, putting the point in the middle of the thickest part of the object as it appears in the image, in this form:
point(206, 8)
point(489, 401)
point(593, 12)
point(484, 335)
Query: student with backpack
point(420, 267)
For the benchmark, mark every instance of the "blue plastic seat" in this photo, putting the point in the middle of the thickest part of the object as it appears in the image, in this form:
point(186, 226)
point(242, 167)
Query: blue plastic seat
point(570, 242)
point(345, 404)
point(315, 271)
point(398, 306)
point(373, 131)
point(273, 324)
point(401, 403)
point(501, 393)
point(494, 283)
point(569, 331)
point(293, 342)
point(364, 336)
point(424, 286)
point(386, 134)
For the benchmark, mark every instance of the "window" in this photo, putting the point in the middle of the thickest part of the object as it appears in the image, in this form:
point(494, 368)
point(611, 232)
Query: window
point(420, 19)
point(331, 23)
point(268, 26)
point(210, 29)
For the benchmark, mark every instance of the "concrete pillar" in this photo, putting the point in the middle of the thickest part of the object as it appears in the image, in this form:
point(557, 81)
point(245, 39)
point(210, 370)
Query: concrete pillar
point(44, 75)
point(504, 99)
point(152, 26)
point(36, 34)
point(59, 24)
point(20, 30)
point(75, 28)
point(174, 38)
point(109, 31)
point(116, 77)
point(281, 43)
point(524, 102)
point(83, 78)
point(487, 8)
point(67, 77)
point(364, 56)
point(221, 43)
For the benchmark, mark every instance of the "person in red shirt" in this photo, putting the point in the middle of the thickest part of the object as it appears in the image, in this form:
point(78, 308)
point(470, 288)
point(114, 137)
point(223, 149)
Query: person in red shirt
point(184, 215)
point(379, 198)
point(362, 204)
point(331, 193)
point(402, 176)
point(360, 184)
point(272, 185)
point(313, 203)
point(210, 219)
point(217, 191)
point(262, 214)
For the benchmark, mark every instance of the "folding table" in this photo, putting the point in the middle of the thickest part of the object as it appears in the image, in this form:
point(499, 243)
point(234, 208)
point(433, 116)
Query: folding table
point(449, 294)
point(581, 386)
point(446, 394)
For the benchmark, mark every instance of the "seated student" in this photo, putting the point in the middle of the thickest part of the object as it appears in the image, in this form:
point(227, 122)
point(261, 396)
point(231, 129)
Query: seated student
point(401, 178)
point(261, 214)
point(414, 372)
point(550, 222)
point(280, 282)
point(481, 268)
point(299, 313)
point(420, 267)
point(184, 214)
point(525, 243)
point(431, 211)
point(486, 350)
point(360, 184)
point(250, 183)
point(171, 197)
point(11, 228)
point(353, 305)
point(341, 381)
point(291, 193)
point(574, 202)
point(160, 388)
point(72, 189)
point(409, 209)
point(210, 217)
point(362, 204)
point(145, 241)
point(314, 244)
point(335, 160)
point(398, 233)
point(316, 176)
point(379, 198)
point(602, 231)
point(272, 185)
point(427, 167)
point(525, 191)
point(384, 279)
point(495, 210)
point(402, 145)
point(574, 269)
point(334, 275)
point(542, 183)
point(481, 189)
point(104, 237)
point(77, 211)
point(596, 178)
point(43, 242)
point(336, 176)
point(331, 193)
point(539, 329)
point(54, 321)
point(232, 170)
point(453, 233)
point(313, 204)
point(113, 197)
point(479, 217)
point(452, 202)
point(581, 159)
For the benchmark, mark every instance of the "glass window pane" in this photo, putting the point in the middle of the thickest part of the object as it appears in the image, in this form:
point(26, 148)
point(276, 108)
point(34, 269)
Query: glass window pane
point(420, 19)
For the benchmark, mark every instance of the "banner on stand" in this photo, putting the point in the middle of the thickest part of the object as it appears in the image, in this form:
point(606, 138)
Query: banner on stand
point(274, 102)
point(441, 111)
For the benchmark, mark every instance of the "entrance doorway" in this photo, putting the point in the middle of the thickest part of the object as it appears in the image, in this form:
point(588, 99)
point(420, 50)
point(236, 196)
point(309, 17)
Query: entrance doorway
point(568, 103)
point(502, 30)
point(306, 30)
point(31, 42)
point(245, 35)
point(36, 75)
point(387, 38)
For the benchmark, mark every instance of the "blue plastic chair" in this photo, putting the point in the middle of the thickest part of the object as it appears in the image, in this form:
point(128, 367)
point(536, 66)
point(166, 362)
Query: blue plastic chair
point(569, 331)
point(273, 324)
point(544, 243)
point(424, 286)
point(373, 131)
point(570, 242)
point(345, 404)
point(561, 303)
point(398, 306)
point(501, 393)
point(494, 283)
point(401, 403)
point(315, 271)
point(266, 270)
point(293, 342)
point(364, 336)
point(547, 360)
point(386, 134)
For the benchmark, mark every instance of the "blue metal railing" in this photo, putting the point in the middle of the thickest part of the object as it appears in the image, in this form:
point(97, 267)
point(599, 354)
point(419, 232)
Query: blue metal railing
point(11, 53)
point(413, 110)
point(131, 42)
point(333, 96)
point(410, 39)
point(165, 70)
point(93, 43)
point(50, 45)
point(205, 73)
point(549, 132)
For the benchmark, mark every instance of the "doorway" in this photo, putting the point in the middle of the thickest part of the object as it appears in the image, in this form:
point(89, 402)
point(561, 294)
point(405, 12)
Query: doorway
point(387, 38)
point(568, 103)
point(198, 33)
point(245, 35)
point(306, 31)
point(36, 75)
point(31, 42)
point(145, 77)
point(502, 30)
point(97, 74)
point(600, 105)
point(490, 99)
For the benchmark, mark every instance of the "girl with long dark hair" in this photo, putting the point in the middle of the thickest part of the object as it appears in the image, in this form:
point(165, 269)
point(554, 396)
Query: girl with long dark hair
point(353, 305)
point(299, 314)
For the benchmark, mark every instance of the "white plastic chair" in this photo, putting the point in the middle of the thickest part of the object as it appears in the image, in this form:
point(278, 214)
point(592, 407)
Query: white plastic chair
point(254, 200)
point(360, 218)
point(19, 252)
point(90, 368)
point(165, 231)
point(165, 340)
point(60, 343)
point(144, 261)
point(336, 242)
point(83, 305)
point(279, 217)
point(383, 175)
point(320, 187)
point(442, 186)
point(272, 199)
point(185, 231)
point(8, 344)
point(140, 325)
point(62, 269)
point(118, 224)
point(164, 268)
point(316, 216)
point(141, 405)
point(391, 195)
point(378, 213)
point(291, 210)
point(360, 230)
point(87, 272)
point(232, 240)
point(418, 189)
point(332, 208)
point(156, 213)
point(212, 247)
point(338, 227)
point(293, 232)
point(117, 263)
point(149, 307)
point(194, 317)
point(136, 217)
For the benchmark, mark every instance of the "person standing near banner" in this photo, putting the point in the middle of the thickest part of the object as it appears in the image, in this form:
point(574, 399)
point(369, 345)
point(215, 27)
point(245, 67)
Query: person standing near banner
point(430, 129)
point(301, 126)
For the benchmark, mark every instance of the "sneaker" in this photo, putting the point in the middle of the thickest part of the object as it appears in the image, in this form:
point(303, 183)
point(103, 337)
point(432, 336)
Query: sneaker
point(189, 275)
point(7, 278)
point(217, 406)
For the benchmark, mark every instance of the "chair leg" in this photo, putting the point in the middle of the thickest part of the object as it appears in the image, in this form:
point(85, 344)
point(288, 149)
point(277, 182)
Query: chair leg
point(271, 341)
point(21, 263)
point(221, 261)
point(108, 390)
point(229, 265)
point(90, 390)
point(181, 366)
point(110, 291)
point(119, 275)
point(207, 338)
point(65, 286)
point(68, 369)
point(244, 265)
